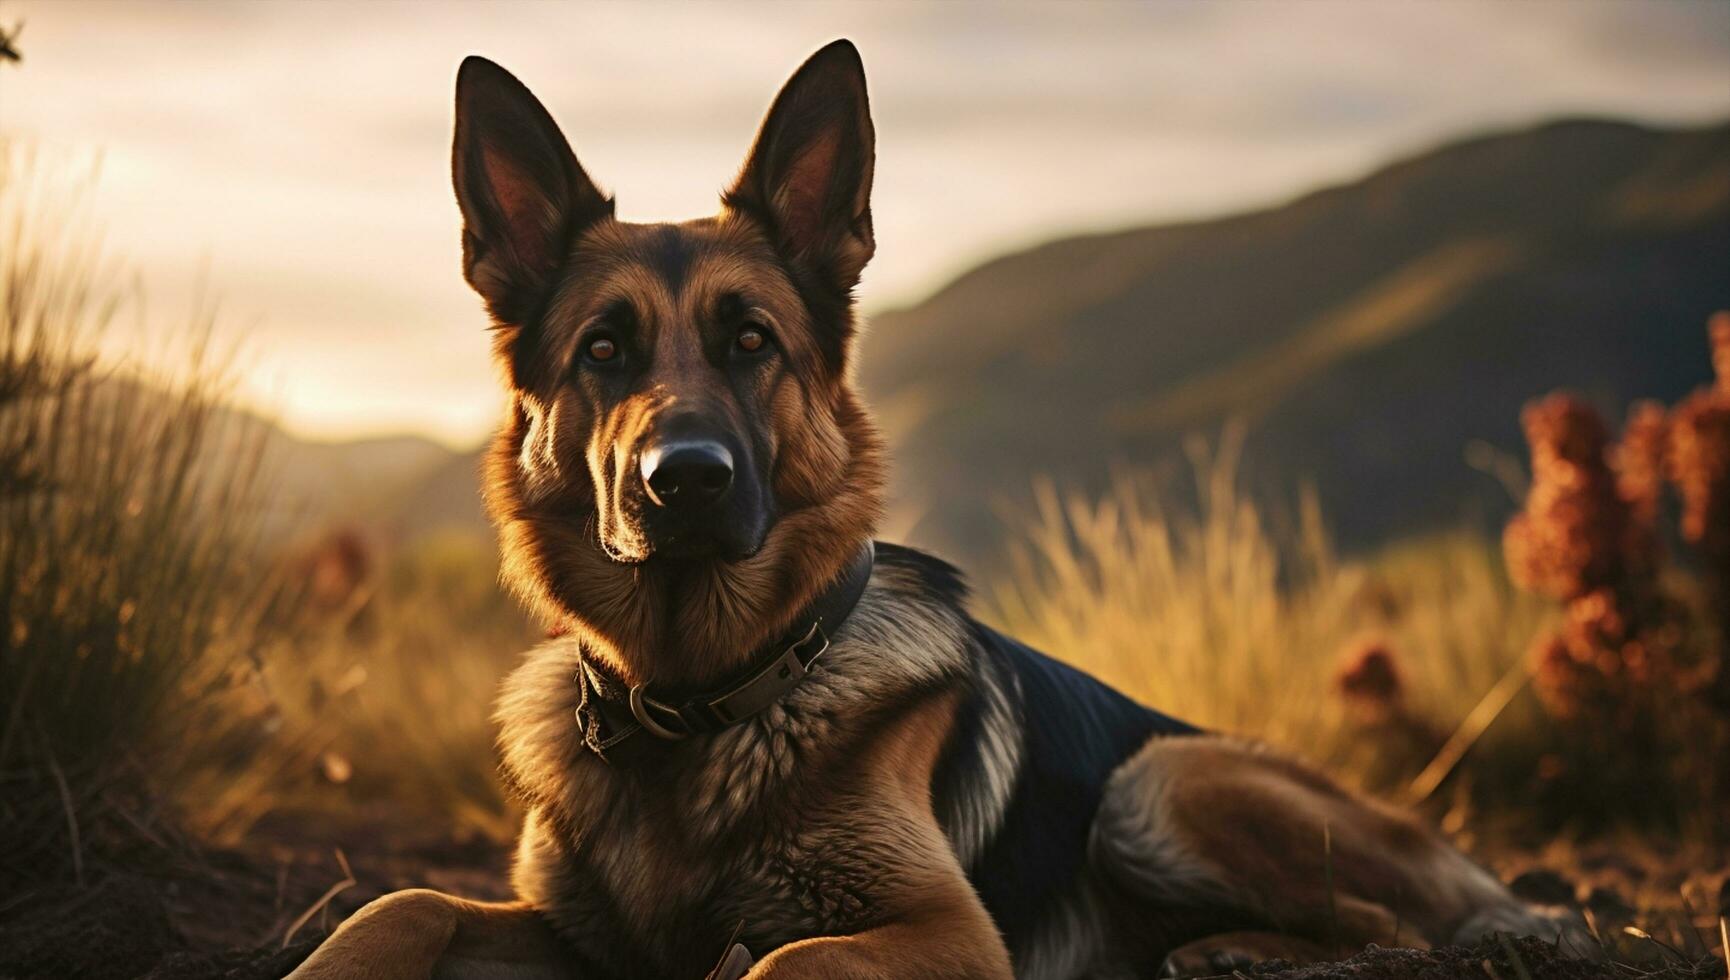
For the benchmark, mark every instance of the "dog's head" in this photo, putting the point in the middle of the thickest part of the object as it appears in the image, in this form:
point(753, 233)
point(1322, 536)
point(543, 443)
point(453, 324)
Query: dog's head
point(680, 391)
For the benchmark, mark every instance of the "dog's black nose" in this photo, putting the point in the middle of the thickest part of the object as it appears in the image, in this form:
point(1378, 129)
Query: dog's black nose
point(687, 474)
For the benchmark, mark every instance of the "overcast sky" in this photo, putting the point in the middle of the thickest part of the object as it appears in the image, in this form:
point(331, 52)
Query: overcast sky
point(296, 155)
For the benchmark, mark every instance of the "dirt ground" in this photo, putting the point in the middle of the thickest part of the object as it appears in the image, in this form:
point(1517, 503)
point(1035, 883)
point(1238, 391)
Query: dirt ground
point(1521, 959)
point(226, 914)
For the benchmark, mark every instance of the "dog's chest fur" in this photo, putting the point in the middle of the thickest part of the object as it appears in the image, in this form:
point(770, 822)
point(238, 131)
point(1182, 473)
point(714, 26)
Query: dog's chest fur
point(768, 826)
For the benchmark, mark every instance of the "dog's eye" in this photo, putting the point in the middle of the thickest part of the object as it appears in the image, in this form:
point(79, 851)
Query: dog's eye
point(752, 338)
point(602, 349)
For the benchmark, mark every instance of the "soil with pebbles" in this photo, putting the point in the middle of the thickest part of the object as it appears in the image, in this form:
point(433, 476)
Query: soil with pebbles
point(1516, 959)
point(77, 950)
point(227, 922)
point(225, 914)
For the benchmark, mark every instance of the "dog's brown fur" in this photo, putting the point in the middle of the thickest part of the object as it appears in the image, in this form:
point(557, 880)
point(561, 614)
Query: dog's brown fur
point(814, 830)
point(828, 480)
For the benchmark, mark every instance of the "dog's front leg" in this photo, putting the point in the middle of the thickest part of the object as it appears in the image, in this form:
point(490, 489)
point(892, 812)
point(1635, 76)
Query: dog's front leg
point(909, 950)
point(932, 923)
point(420, 934)
point(950, 936)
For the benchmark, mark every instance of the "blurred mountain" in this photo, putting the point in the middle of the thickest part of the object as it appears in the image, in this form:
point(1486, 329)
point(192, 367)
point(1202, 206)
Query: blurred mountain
point(371, 485)
point(393, 491)
point(377, 483)
point(1371, 335)
point(446, 497)
point(393, 487)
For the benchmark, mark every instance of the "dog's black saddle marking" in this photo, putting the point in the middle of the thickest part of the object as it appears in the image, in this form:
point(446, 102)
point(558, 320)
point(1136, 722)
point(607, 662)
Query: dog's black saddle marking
point(1075, 731)
point(609, 713)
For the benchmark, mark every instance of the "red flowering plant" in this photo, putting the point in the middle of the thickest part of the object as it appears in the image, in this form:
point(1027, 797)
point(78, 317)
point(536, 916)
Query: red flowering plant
point(1630, 674)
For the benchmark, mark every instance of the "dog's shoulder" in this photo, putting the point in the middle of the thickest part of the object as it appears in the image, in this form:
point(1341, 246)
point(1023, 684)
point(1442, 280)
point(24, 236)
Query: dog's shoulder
point(910, 630)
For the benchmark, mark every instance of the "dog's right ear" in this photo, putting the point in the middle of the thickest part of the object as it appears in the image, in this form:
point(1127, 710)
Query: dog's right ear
point(522, 193)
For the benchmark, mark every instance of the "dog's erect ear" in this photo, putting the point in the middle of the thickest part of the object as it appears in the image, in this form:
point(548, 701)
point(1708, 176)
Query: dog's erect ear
point(522, 192)
point(808, 177)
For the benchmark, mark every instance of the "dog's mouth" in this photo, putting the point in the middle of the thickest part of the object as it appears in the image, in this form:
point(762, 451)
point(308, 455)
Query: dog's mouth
point(699, 547)
point(725, 538)
point(687, 549)
point(692, 549)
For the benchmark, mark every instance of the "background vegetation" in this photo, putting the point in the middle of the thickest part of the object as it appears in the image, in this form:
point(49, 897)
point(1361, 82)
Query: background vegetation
point(202, 683)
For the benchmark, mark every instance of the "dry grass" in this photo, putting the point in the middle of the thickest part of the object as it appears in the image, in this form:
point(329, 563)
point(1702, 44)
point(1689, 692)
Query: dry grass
point(126, 544)
point(381, 703)
point(167, 679)
point(161, 662)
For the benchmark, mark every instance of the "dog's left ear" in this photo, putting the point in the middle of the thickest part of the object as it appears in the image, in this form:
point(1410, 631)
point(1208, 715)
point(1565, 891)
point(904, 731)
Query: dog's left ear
point(808, 177)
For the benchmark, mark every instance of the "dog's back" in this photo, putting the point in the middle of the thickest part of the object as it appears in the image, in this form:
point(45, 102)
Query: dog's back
point(1035, 743)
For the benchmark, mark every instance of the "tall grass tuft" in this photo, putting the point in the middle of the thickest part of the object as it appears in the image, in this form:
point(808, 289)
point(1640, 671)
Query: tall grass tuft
point(128, 505)
point(1185, 611)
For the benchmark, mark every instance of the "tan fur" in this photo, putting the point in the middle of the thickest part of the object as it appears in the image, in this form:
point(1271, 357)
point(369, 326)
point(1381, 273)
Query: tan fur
point(936, 926)
point(422, 933)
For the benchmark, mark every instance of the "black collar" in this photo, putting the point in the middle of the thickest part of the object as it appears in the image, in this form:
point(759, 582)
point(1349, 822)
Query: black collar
point(609, 713)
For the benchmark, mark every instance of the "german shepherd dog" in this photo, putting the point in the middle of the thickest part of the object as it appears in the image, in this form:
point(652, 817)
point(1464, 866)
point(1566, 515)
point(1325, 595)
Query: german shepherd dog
point(761, 739)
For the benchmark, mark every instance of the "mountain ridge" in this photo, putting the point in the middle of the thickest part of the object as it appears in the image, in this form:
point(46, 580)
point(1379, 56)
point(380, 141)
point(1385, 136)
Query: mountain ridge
point(1581, 252)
